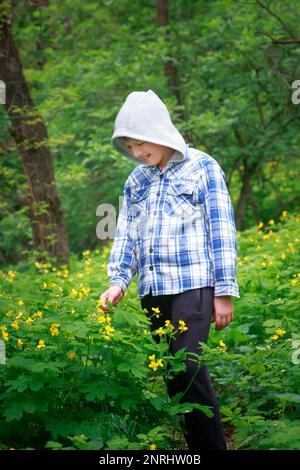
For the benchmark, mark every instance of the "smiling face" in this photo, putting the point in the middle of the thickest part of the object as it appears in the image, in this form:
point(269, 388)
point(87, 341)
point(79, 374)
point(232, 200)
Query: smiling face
point(146, 152)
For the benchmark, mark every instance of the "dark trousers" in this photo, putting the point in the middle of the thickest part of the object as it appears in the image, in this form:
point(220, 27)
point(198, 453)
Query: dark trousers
point(195, 307)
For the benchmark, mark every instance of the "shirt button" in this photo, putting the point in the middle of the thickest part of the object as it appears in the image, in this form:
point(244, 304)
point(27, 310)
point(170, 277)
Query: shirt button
point(151, 250)
point(161, 176)
point(157, 194)
point(151, 268)
point(151, 230)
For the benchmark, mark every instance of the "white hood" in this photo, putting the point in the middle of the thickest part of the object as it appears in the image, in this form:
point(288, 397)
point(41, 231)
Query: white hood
point(145, 117)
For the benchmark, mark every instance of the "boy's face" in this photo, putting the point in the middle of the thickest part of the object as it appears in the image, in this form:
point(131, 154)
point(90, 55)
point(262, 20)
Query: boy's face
point(146, 152)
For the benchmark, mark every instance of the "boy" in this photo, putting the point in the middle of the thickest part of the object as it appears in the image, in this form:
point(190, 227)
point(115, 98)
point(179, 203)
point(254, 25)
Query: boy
point(176, 230)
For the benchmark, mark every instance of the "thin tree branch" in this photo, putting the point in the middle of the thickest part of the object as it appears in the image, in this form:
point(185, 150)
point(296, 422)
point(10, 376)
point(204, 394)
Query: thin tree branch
point(262, 5)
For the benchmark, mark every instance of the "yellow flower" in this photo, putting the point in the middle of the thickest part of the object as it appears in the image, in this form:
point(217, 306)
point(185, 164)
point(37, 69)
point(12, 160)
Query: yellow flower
point(29, 320)
point(156, 309)
point(271, 222)
point(54, 329)
point(160, 331)
point(223, 345)
point(71, 355)
point(20, 303)
point(154, 365)
point(11, 275)
point(20, 343)
point(283, 256)
point(152, 447)
point(260, 225)
point(5, 335)
point(41, 344)
point(109, 329)
point(86, 253)
point(15, 325)
point(294, 282)
point(280, 332)
point(101, 319)
point(169, 326)
point(182, 326)
point(80, 293)
point(275, 337)
point(263, 264)
point(37, 314)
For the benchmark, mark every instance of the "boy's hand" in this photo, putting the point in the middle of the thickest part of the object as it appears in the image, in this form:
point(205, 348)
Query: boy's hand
point(222, 311)
point(114, 294)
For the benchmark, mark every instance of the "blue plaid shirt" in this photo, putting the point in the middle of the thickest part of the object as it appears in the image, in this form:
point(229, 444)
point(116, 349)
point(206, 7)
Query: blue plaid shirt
point(176, 229)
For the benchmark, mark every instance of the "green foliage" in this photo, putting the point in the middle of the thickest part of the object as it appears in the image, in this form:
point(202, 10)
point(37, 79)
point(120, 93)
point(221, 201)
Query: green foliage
point(258, 375)
point(233, 100)
point(81, 59)
point(76, 378)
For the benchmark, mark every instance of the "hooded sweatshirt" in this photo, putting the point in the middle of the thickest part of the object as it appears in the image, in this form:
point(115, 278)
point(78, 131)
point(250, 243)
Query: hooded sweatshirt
point(145, 117)
point(176, 227)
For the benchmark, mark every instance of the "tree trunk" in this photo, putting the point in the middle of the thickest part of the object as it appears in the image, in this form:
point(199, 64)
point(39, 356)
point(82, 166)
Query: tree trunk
point(170, 68)
point(31, 137)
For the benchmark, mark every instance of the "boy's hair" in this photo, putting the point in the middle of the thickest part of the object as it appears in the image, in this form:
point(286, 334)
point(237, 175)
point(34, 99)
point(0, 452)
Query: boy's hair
point(123, 141)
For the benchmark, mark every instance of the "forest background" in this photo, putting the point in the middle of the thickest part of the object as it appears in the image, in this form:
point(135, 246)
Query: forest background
point(229, 72)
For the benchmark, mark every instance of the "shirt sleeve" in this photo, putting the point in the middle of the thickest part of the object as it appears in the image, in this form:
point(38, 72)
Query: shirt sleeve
point(221, 230)
point(122, 262)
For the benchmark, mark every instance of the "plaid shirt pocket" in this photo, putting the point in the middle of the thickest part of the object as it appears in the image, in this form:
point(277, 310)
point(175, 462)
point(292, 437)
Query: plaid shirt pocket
point(181, 200)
